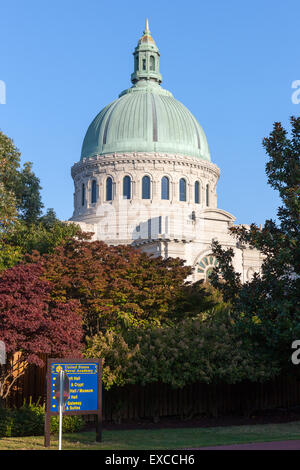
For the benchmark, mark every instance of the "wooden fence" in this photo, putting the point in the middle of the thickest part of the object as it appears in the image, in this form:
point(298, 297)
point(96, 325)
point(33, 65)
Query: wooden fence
point(134, 402)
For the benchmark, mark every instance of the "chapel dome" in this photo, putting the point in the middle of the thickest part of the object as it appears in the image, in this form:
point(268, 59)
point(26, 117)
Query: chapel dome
point(146, 117)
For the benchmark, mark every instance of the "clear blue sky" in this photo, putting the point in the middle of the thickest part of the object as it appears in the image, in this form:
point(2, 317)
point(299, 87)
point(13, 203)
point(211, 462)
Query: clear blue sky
point(231, 63)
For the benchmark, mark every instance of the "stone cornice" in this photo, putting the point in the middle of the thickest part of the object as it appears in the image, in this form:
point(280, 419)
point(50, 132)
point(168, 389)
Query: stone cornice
point(94, 163)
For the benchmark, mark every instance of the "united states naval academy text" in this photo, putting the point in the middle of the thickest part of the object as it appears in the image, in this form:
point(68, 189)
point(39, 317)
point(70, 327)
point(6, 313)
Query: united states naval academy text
point(150, 459)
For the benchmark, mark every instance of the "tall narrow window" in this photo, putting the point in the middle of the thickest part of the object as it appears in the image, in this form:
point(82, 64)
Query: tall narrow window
point(136, 62)
point(94, 191)
point(82, 194)
point(127, 187)
point(146, 187)
point(152, 63)
point(197, 192)
point(109, 189)
point(165, 187)
point(207, 195)
point(182, 189)
point(144, 64)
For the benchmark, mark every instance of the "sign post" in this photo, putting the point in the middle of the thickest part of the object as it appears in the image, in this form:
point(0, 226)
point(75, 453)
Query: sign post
point(61, 403)
point(62, 392)
point(79, 392)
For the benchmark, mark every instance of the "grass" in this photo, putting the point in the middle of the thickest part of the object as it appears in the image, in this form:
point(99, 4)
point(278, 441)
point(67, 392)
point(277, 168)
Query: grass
point(161, 438)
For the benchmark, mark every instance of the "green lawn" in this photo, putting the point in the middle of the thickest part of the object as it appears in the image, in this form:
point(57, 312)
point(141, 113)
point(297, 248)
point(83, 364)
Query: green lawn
point(162, 438)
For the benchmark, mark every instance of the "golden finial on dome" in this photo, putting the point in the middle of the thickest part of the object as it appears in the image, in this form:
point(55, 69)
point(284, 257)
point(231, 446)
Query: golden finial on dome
point(147, 26)
point(146, 34)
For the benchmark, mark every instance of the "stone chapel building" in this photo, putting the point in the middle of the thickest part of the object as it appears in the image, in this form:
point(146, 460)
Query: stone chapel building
point(146, 178)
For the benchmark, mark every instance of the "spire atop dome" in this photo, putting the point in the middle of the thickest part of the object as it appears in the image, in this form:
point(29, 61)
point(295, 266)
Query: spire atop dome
point(146, 59)
point(147, 27)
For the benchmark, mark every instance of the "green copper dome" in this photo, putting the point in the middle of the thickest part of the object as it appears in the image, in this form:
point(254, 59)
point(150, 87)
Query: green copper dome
point(145, 118)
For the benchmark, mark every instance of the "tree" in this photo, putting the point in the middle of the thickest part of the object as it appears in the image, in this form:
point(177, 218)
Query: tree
point(118, 286)
point(232, 285)
point(42, 236)
point(19, 187)
point(28, 195)
point(49, 220)
point(192, 351)
point(9, 165)
point(22, 228)
point(31, 322)
point(270, 303)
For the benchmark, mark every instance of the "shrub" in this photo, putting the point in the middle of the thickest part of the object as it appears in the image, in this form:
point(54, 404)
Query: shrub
point(71, 423)
point(29, 421)
point(6, 422)
point(207, 350)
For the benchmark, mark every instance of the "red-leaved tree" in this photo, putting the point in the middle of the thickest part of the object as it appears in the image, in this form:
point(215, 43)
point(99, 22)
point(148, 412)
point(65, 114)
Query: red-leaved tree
point(119, 286)
point(32, 323)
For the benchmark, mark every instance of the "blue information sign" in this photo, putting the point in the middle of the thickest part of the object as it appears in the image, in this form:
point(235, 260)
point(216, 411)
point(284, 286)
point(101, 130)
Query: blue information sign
point(84, 381)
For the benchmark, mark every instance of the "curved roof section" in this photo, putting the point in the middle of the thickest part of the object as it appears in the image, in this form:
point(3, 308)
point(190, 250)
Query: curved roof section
point(147, 119)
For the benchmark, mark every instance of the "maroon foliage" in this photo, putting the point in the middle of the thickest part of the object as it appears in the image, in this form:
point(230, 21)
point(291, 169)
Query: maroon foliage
point(32, 323)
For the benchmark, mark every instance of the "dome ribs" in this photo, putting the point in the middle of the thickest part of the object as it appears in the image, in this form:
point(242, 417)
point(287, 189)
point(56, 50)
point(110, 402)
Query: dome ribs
point(107, 122)
point(154, 118)
point(146, 119)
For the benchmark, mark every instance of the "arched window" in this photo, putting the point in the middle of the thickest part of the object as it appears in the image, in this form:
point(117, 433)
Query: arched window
point(109, 189)
point(94, 192)
point(146, 187)
point(207, 195)
point(165, 187)
point(82, 194)
point(152, 63)
point(127, 187)
point(182, 189)
point(206, 265)
point(197, 192)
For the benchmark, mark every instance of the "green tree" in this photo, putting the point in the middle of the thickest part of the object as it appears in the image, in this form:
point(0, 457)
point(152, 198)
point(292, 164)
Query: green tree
point(19, 187)
point(194, 350)
point(9, 165)
point(29, 203)
point(22, 228)
point(270, 303)
point(43, 236)
point(49, 219)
